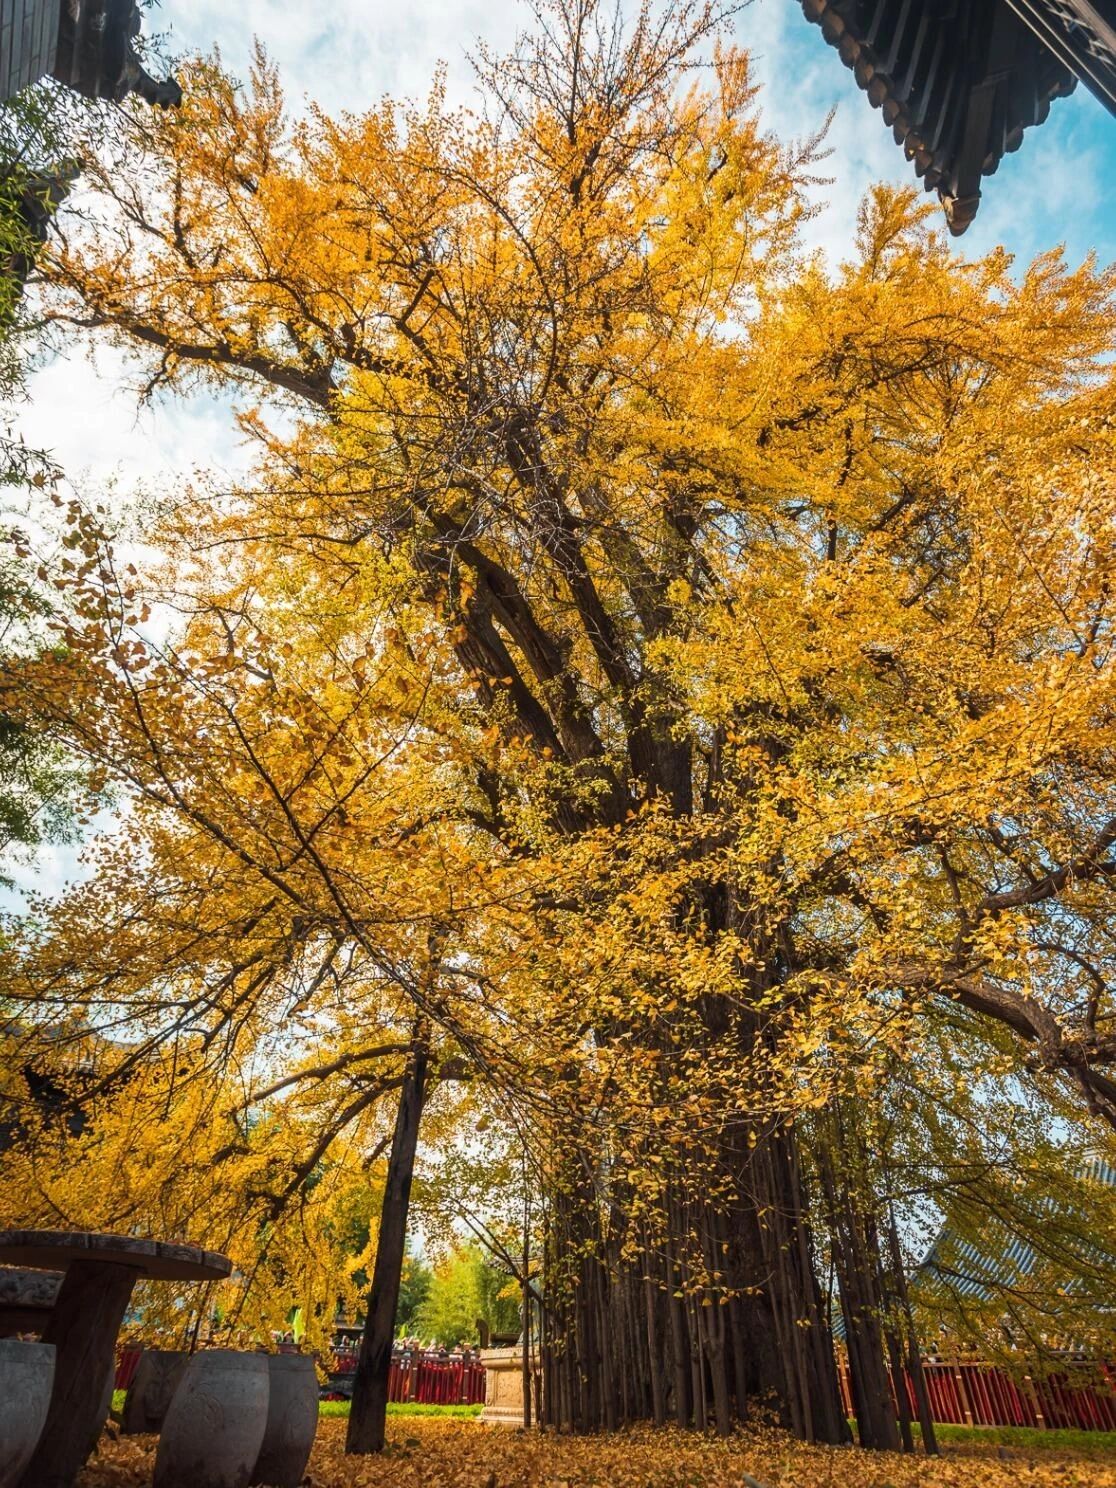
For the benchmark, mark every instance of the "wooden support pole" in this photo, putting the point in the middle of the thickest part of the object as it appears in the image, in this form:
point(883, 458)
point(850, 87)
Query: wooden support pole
point(1033, 1395)
point(963, 1393)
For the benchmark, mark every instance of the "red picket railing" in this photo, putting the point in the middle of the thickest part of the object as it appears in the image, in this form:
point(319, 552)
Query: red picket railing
point(1079, 1396)
point(427, 1381)
point(423, 1379)
point(127, 1363)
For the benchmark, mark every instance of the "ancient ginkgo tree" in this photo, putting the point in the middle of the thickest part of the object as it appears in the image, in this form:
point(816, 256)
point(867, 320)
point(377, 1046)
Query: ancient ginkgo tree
point(740, 631)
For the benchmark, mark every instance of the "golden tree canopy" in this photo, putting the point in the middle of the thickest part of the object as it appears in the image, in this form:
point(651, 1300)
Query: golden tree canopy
point(643, 648)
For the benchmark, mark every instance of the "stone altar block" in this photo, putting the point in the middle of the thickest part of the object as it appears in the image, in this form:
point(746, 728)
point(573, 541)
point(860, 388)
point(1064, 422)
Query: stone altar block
point(503, 1386)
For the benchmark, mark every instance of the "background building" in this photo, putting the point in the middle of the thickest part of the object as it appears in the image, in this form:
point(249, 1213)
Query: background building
point(86, 44)
point(958, 81)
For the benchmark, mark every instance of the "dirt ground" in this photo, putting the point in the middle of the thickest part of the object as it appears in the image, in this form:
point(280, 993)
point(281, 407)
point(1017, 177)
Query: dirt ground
point(464, 1454)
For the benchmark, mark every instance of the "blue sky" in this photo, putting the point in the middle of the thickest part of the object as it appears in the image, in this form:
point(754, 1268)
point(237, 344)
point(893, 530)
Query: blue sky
point(345, 53)
point(1060, 187)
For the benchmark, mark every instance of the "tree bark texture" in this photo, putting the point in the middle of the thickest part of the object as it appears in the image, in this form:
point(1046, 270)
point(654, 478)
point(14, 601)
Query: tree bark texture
point(691, 1319)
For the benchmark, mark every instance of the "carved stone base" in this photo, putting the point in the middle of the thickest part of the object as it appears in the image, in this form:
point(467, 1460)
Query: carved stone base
point(26, 1297)
point(503, 1386)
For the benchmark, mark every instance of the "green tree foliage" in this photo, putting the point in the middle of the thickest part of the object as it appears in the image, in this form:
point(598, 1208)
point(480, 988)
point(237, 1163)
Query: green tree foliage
point(466, 1288)
point(37, 780)
point(414, 1291)
point(38, 129)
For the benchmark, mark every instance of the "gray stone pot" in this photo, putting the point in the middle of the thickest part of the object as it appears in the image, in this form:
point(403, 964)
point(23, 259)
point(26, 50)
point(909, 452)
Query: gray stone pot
point(152, 1389)
point(214, 1428)
point(26, 1378)
point(292, 1420)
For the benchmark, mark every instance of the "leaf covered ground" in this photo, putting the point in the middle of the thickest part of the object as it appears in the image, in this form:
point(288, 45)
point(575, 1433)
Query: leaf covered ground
point(464, 1454)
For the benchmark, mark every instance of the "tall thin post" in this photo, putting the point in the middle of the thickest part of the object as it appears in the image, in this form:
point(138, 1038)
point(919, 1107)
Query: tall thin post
point(525, 1313)
point(368, 1415)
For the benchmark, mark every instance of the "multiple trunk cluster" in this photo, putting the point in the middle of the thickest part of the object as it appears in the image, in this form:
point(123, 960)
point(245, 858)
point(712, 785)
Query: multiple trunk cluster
point(703, 1307)
point(714, 1311)
point(697, 1314)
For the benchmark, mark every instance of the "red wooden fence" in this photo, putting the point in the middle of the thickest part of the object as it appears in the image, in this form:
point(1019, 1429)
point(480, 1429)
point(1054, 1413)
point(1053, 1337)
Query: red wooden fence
point(424, 1379)
point(1079, 1396)
point(127, 1362)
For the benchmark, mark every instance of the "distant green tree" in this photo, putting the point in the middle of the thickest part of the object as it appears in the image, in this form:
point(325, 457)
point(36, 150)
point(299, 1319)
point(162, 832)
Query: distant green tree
point(354, 1222)
point(38, 782)
point(465, 1287)
point(414, 1290)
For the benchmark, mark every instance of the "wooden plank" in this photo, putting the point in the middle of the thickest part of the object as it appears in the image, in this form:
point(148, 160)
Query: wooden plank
point(28, 31)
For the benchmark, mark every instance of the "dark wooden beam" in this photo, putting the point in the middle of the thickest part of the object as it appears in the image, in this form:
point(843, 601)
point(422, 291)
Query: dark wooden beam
point(1082, 35)
point(959, 81)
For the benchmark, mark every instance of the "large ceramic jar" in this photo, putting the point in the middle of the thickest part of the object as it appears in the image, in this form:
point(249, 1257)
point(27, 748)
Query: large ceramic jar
point(292, 1420)
point(214, 1427)
point(26, 1378)
point(152, 1389)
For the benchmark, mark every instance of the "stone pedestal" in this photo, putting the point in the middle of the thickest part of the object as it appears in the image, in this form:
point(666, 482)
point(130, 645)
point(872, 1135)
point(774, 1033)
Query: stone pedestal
point(503, 1386)
point(152, 1389)
point(214, 1427)
point(26, 1377)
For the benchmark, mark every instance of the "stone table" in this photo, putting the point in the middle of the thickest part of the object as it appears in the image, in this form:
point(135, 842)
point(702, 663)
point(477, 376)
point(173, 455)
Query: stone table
point(99, 1274)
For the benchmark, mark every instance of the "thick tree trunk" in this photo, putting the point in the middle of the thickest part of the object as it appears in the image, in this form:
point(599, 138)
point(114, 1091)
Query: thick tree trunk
point(730, 1306)
point(368, 1416)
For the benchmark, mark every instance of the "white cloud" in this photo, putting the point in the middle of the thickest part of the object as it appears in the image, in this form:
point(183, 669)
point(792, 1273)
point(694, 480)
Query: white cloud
point(83, 410)
point(802, 79)
point(345, 54)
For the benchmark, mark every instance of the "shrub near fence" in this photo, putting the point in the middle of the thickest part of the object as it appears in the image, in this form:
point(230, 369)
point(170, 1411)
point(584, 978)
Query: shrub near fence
point(1080, 1396)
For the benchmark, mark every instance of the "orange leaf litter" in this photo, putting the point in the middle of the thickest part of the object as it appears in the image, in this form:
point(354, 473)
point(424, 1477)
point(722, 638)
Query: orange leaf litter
point(465, 1454)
